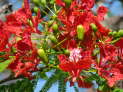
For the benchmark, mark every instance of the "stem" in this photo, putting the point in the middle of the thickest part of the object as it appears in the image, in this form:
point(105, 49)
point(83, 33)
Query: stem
point(55, 8)
point(50, 10)
point(10, 78)
point(59, 43)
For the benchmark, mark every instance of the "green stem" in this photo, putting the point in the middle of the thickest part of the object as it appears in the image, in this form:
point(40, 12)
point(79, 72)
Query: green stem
point(59, 43)
point(50, 10)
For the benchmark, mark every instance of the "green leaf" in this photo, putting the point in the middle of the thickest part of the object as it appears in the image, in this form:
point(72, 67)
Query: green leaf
point(24, 85)
point(62, 83)
point(4, 65)
point(2, 53)
point(76, 89)
point(43, 75)
point(118, 90)
point(50, 82)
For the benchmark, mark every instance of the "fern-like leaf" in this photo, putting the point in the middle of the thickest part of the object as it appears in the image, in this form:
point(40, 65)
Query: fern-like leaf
point(24, 85)
point(50, 82)
point(62, 83)
point(76, 89)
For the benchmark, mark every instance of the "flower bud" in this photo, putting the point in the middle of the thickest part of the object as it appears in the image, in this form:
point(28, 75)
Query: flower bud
point(114, 34)
point(80, 32)
point(53, 38)
point(50, 23)
point(120, 33)
point(55, 27)
point(35, 9)
point(43, 2)
point(43, 55)
point(94, 27)
point(67, 52)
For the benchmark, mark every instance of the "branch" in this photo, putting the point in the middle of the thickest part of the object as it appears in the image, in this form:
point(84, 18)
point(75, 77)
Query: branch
point(6, 8)
point(10, 80)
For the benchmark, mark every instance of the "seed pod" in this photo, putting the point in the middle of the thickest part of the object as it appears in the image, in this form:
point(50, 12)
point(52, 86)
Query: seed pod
point(43, 55)
point(53, 38)
point(94, 27)
point(80, 32)
point(55, 27)
point(67, 2)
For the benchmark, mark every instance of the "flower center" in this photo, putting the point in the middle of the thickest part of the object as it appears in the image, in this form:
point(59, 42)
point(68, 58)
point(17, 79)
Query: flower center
point(75, 55)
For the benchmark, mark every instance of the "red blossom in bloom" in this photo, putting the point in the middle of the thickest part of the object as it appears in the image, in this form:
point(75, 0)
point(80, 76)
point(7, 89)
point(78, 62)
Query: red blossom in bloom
point(25, 43)
point(3, 37)
point(69, 43)
point(25, 63)
point(110, 65)
point(87, 4)
point(111, 75)
point(16, 24)
point(119, 43)
point(3, 41)
point(101, 12)
point(75, 63)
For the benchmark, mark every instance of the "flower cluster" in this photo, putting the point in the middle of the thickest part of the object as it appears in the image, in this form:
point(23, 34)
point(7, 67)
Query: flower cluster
point(80, 41)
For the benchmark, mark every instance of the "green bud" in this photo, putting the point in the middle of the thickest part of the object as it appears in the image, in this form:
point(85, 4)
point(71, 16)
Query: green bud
point(67, 52)
point(43, 2)
point(53, 38)
point(55, 27)
point(94, 27)
point(18, 39)
point(43, 55)
point(80, 32)
point(120, 33)
point(114, 33)
point(110, 33)
point(50, 23)
point(35, 9)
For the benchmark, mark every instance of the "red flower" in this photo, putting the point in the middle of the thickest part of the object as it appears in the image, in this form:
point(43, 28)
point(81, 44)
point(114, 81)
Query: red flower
point(111, 75)
point(4, 37)
point(25, 63)
point(21, 20)
point(75, 63)
point(25, 44)
point(101, 12)
point(87, 4)
point(119, 43)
